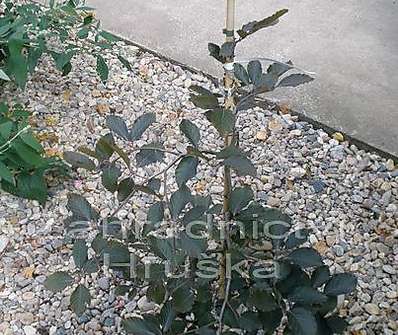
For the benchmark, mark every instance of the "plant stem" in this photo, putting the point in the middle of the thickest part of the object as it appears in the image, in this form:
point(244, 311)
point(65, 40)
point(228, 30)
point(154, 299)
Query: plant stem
point(229, 103)
point(224, 305)
point(147, 180)
point(175, 153)
point(6, 145)
point(195, 329)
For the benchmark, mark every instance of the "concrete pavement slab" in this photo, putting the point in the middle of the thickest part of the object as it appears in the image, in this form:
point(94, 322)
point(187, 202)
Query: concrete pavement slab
point(352, 45)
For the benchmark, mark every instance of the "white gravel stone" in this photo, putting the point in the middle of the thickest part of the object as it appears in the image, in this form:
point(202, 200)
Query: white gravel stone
point(390, 165)
point(389, 269)
point(3, 243)
point(372, 309)
point(298, 172)
point(29, 330)
point(144, 305)
point(296, 132)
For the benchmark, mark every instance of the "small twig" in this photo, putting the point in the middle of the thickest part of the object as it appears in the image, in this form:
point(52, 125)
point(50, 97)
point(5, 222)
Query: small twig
point(208, 152)
point(157, 149)
point(166, 200)
point(255, 259)
point(168, 167)
point(195, 330)
point(221, 320)
point(241, 102)
point(180, 285)
point(233, 311)
point(7, 144)
point(125, 201)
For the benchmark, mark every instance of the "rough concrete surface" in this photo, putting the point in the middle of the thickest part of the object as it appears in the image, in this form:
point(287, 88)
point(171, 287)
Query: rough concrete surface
point(352, 45)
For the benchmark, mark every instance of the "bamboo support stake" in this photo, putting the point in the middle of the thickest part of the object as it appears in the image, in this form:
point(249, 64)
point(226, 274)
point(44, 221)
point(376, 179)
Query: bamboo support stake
point(230, 24)
point(229, 103)
point(229, 82)
point(229, 79)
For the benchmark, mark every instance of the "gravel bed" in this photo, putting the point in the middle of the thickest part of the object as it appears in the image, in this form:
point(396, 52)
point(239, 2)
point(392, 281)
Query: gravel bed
point(348, 197)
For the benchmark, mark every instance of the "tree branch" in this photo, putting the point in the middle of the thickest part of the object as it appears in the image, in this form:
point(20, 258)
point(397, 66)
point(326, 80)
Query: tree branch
point(7, 144)
point(224, 305)
point(157, 149)
point(125, 201)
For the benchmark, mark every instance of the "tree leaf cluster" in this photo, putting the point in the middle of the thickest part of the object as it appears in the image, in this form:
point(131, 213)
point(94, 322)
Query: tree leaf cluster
point(23, 164)
point(28, 31)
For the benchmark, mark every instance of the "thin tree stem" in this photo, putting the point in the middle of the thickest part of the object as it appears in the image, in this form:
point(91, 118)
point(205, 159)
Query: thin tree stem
point(125, 201)
point(224, 305)
point(157, 149)
point(8, 143)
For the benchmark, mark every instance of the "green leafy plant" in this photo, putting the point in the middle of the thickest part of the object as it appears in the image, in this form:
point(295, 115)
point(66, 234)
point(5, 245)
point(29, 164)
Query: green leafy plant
point(232, 266)
point(23, 166)
point(28, 31)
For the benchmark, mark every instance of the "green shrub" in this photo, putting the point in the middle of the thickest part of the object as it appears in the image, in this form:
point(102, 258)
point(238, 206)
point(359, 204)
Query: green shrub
point(231, 267)
point(23, 165)
point(63, 30)
point(28, 31)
